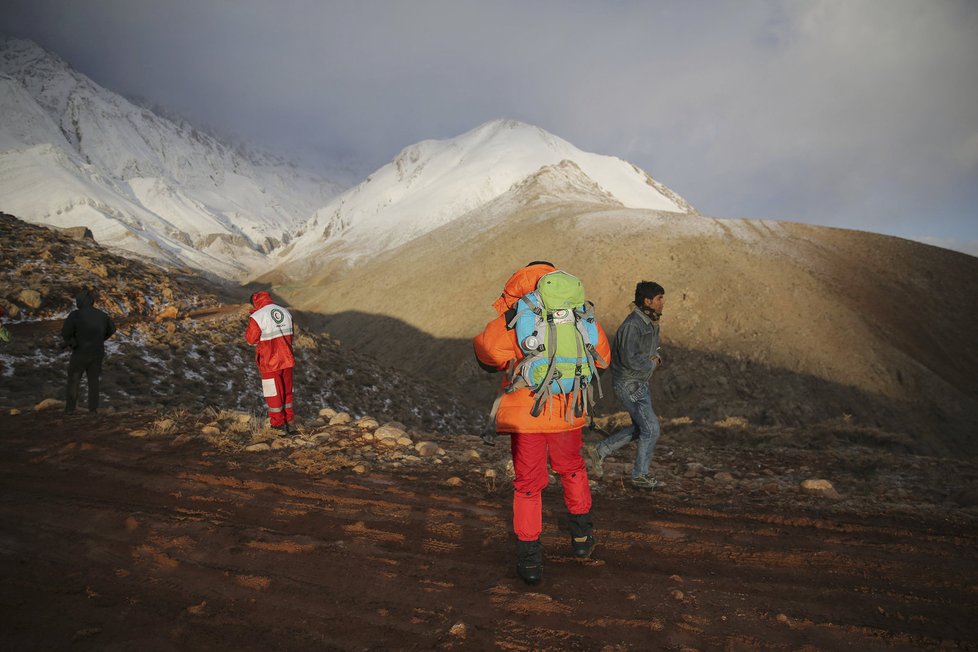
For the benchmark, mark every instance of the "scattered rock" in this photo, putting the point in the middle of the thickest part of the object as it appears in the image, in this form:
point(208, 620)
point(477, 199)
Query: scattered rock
point(694, 469)
point(459, 629)
point(30, 298)
point(725, 477)
point(367, 423)
point(389, 431)
point(50, 404)
point(14, 412)
point(819, 487)
point(138, 433)
point(340, 418)
point(405, 441)
point(86, 263)
point(78, 232)
point(359, 469)
point(327, 413)
point(170, 312)
point(258, 448)
point(471, 455)
point(454, 481)
point(210, 431)
point(426, 448)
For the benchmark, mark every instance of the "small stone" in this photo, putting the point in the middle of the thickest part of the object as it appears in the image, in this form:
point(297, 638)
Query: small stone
point(471, 455)
point(280, 443)
point(359, 469)
point(14, 412)
point(258, 448)
point(170, 312)
point(459, 629)
point(339, 419)
point(490, 473)
point(426, 448)
point(367, 423)
point(819, 487)
point(454, 481)
point(49, 404)
point(725, 477)
point(138, 433)
point(694, 469)
point(244, 417)
point(405, 441)
point(210, 431)
point(367, 436)
point(164, 424)
point(677, 595)
point(389, 432)
point(389, 443)
point(30, 298)
point(327, 413)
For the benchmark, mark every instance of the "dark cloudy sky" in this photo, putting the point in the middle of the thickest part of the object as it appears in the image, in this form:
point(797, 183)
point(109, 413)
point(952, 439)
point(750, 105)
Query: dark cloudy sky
point(853, 113)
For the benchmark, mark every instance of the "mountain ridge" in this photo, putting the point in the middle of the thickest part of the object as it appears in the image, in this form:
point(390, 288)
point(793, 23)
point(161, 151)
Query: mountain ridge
point(147, 185)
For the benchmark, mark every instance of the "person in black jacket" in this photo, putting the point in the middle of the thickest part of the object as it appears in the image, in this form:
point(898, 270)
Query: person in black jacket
point(85, 331)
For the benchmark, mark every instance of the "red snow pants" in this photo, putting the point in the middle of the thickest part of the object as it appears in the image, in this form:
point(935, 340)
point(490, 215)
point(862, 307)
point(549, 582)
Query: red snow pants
point(530, 452)
point(276, 386)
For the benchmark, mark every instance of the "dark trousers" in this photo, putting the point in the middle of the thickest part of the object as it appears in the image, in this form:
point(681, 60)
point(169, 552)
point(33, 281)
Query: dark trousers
point(90, 364)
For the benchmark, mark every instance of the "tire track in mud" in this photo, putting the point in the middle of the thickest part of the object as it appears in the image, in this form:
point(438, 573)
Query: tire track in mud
point(115, 541)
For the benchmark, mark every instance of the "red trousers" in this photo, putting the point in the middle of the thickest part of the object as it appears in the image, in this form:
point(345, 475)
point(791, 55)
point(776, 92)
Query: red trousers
point(276, 386)
point(530, 452)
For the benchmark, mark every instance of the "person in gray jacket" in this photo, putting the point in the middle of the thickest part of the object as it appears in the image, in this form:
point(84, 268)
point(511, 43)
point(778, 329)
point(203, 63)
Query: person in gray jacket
point(634, 358)
point(85, 331)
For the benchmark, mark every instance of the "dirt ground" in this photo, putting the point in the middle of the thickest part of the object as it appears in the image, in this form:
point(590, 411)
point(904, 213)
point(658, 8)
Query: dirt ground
point(110, 542)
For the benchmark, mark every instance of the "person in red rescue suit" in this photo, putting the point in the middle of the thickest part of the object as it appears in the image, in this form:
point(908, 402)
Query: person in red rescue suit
point(533, 439)
point(270, 330)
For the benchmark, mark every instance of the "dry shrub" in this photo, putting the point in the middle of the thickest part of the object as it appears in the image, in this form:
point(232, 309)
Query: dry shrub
point(314, 462)
point(732, 422)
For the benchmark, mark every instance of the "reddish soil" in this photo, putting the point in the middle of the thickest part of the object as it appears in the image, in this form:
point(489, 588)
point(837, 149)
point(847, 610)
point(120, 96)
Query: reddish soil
point(112, 542)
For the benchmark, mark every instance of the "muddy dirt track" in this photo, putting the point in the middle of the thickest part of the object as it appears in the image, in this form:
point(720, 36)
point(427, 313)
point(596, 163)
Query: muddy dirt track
point(115, 543)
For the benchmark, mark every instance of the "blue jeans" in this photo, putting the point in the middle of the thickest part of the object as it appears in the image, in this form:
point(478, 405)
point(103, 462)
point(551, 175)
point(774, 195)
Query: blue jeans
point(644, 429)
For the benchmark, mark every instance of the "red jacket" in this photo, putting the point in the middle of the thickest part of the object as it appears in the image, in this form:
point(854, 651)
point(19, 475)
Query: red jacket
point(496, 346)
point(270, 328)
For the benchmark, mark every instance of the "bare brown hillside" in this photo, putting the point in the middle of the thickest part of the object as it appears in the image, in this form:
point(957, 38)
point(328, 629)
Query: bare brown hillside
point(771, 321)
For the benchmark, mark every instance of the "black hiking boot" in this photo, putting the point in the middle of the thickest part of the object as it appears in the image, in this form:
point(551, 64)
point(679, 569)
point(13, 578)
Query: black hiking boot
point(582, 534)
point(529, 561)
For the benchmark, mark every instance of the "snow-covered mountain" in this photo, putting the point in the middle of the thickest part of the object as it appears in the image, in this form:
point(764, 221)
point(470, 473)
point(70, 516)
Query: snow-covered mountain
point(73, 153)
point(434, 182)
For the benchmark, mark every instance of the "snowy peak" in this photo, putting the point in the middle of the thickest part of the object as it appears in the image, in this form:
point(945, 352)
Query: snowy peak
point(75, 154)
point(434, 182)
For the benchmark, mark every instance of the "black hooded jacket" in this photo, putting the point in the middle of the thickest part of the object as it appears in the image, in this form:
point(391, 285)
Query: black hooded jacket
point(87, 328)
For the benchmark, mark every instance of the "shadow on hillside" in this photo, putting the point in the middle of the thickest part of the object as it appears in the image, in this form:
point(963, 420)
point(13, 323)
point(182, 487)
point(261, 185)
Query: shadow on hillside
point(703, 386)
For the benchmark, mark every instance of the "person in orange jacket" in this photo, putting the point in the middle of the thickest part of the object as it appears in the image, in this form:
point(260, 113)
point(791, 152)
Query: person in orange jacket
point(270, 330)
point(533, 439)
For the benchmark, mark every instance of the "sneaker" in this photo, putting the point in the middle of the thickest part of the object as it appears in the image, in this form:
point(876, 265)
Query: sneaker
point(644, 482)
point(529, 562)
point(593, 459)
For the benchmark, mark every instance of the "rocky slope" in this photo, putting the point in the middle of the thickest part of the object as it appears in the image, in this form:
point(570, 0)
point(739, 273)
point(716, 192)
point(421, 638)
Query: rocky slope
point(180, 340)
point(774, 322)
